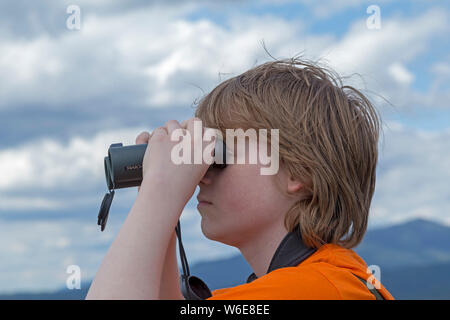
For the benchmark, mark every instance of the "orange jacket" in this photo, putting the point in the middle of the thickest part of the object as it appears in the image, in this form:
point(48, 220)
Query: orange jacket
point(329, 273)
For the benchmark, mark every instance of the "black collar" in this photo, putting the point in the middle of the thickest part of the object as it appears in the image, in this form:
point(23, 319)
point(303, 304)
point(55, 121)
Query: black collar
point(290, 253)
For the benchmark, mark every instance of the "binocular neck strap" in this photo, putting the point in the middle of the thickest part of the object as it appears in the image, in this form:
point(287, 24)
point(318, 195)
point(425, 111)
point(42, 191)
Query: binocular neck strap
point(184, 263)
point(192, 288)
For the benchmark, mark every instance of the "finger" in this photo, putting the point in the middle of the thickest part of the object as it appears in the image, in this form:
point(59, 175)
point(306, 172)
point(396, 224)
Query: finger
point(184, 123)
point(171, 126)
point(193, 122)
point(143, 137)
point(160, 131)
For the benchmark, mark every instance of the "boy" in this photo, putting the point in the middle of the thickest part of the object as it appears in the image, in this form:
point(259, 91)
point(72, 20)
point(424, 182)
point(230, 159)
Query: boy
point(295, 228)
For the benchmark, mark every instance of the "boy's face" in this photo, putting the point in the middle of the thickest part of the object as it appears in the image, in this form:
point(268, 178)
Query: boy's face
point(244, 203)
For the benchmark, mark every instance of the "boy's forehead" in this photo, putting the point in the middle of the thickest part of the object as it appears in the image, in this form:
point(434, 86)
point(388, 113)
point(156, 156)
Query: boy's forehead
point(248, 145)
point(240, 139)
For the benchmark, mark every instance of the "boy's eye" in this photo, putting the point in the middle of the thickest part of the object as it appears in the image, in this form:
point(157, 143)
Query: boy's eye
point(224, 152)
point(219, 165)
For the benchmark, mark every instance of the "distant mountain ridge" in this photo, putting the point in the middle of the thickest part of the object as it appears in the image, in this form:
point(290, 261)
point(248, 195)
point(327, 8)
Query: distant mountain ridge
point(414, 258)
point(415, 243)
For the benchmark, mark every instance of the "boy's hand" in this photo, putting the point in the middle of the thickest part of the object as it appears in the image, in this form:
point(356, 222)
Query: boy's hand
point(181, 179)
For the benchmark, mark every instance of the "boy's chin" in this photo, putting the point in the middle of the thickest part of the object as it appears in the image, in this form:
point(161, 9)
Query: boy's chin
point(217, 233)
point(206, 229)
point(210, 231)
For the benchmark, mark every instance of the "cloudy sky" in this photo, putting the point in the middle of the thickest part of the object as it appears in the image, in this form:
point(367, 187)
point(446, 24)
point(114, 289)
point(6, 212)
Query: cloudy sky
point(67, 93)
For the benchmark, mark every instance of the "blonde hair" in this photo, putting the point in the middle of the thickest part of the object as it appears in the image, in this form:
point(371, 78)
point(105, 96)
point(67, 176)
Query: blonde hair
point(328, 139)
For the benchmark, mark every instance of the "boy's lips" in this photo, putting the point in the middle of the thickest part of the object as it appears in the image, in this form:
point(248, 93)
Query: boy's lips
point(203, 200)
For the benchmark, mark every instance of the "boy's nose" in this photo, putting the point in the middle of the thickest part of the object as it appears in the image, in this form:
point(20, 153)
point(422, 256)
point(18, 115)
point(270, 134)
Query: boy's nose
point(207, 178)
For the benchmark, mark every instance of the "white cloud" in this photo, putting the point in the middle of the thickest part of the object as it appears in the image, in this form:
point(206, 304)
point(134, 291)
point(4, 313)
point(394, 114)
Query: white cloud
point(152, 56)
point(30, 203)
point(400, 74)
point(367, 51)
point(325, 9)
point(412, 176)
point(25, 60)
point(50, 164)
point(36, 174)
point(385, 58)
point(441, 68)
point(79, 66)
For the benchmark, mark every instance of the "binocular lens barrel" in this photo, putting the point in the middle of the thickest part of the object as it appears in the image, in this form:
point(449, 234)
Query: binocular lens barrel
point(123, 166)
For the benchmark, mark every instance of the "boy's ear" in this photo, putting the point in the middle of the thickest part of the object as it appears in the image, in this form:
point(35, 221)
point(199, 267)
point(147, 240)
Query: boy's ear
point(293, 185)
point(290, 184)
